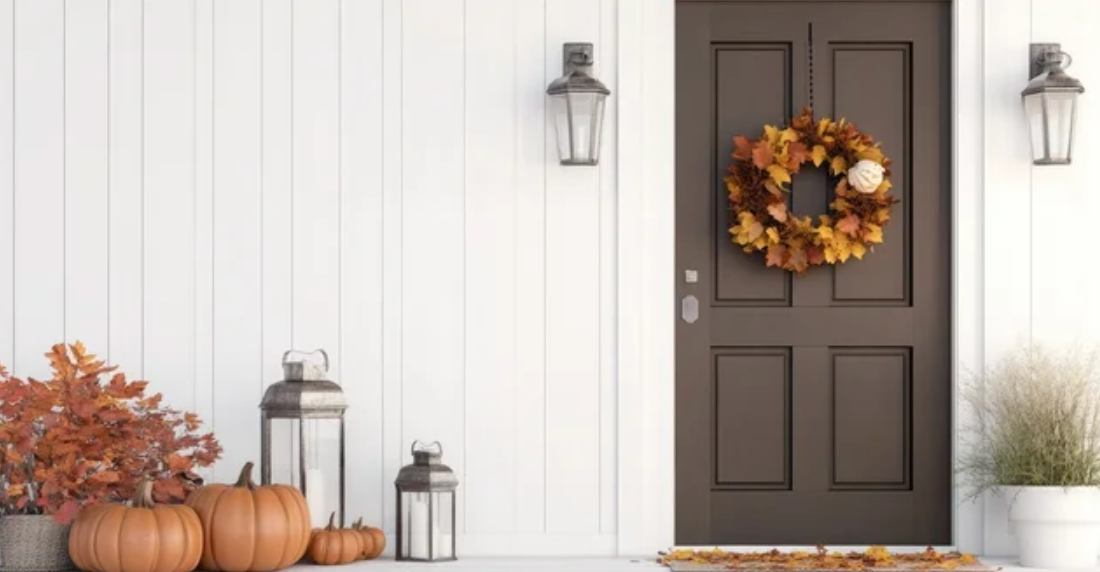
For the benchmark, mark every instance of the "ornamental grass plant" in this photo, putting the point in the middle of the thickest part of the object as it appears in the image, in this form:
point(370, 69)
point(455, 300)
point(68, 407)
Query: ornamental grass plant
point(1035, 421)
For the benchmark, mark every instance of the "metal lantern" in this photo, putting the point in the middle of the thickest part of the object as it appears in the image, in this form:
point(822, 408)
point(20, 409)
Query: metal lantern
point(308, 402)
point(426, 507)
point(577, 101)
point(1050, 103)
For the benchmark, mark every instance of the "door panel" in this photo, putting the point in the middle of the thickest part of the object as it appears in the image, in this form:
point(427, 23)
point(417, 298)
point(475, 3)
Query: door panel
point(814, 408)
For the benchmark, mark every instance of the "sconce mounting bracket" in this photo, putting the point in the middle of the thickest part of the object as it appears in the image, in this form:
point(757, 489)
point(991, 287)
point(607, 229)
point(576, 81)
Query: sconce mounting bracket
point(1036, 66)
point(571, 51)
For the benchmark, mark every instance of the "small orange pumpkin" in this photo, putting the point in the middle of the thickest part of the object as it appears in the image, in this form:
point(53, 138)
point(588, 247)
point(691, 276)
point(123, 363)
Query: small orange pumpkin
point(250, 528)
point(144, 537)
point(379, 541)
point(366, 543)
point(335, 545)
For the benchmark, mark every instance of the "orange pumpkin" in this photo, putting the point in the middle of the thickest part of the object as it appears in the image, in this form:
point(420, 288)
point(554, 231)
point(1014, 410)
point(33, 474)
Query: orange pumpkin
point(144, 537)
point(378, 540)
point(366, 541)
point(335, 545)
point(250, 528)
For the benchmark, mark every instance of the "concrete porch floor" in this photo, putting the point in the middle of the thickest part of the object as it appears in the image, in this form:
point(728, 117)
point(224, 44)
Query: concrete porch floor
point(565, 565)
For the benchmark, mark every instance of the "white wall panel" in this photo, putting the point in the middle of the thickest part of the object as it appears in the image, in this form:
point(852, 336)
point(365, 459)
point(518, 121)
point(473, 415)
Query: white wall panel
point(237, 222)
point(39, 269)
point(361, 212)
point(530, 240)
point(7, 184)
point(433, 229)
point(276, 104)
point(394, 447)
point(572, 310)
point(125, 173)
point(203, 243)
point(168, 199)
point(315, 214)
point(86, 60)
point(607, 68)
point(490, 182)
point(232, 179)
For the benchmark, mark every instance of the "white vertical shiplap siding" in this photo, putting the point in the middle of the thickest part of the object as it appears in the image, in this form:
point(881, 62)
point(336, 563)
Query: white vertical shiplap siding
point(199, 185)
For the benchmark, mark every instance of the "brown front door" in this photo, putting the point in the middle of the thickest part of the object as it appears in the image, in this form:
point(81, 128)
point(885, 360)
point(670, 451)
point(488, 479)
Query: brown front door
point(815, 408)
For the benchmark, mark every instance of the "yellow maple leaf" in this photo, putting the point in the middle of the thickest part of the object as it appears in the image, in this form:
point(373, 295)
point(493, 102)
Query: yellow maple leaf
point(823, 125)
point(819, 154)
point(771, 134)
point(872, 153)
point(838, 165)
point(788, 135)
point(841, 205)
point(858, 250)
point(779, 175)
point(830, 254)
point(885, 186)
point(874, 233)
point(825, 232)
point(773, 235)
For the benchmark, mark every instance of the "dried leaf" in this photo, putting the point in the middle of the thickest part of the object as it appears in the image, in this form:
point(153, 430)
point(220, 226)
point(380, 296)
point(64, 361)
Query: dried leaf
point(819, 155)
point(778, 211)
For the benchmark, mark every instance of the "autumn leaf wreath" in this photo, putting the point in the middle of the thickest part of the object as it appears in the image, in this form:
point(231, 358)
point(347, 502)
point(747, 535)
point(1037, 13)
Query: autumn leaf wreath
point(759, 218)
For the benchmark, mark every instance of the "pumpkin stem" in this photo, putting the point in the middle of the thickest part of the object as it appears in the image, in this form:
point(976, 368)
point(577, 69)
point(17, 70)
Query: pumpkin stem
point(358, 524)
point(143, 494)
point(245, 480)
point(331, 521)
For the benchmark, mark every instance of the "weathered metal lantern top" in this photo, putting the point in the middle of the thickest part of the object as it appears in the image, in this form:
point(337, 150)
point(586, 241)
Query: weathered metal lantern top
point(1050, 104)
point(578, 62)
point(1051, 76)
point(304, 393)
point(427, 473)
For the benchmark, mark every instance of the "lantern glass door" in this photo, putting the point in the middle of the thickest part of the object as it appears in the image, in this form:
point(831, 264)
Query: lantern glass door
point(317, 463)
point(1051, 118)
point(427, 521)
point(578, 118)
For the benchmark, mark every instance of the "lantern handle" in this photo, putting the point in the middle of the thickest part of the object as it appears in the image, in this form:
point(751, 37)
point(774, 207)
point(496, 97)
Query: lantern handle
point(324, 354)
point(436, 443)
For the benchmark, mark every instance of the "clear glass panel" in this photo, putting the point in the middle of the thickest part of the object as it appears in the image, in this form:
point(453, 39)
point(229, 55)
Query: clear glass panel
point(1033, 109)
point(597, 126)
point(559, 106)
point(583, 106)
point(1060, 109)
point(406, 523)
point(443, 525)
point(417, 529)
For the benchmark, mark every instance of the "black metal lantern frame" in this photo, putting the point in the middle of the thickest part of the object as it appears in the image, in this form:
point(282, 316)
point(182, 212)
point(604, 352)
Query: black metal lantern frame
point(1050, 105)
point(303, 395)
point(427, 475)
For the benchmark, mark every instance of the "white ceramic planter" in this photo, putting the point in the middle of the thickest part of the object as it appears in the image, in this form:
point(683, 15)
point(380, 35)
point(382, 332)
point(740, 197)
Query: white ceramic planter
point(1055, 527)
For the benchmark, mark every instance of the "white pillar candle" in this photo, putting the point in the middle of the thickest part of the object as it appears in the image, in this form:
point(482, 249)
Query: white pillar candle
point(315, 497)
point(418, 526)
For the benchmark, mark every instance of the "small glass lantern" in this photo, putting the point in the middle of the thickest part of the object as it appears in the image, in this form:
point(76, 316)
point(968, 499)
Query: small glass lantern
point(577, 101)
point(426, 507)
point(305, 405)
point(1050, 103)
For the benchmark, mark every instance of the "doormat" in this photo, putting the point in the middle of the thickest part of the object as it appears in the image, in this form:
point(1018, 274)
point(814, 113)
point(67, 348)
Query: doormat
point(874, 559)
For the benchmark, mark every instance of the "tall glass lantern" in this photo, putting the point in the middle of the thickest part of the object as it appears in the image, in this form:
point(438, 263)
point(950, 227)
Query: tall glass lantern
point(426, 507)
point(1050, 104)
point(577, 103)
point(302, 433)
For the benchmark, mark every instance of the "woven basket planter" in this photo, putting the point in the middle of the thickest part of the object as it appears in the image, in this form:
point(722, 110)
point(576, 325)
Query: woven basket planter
point(33, 543)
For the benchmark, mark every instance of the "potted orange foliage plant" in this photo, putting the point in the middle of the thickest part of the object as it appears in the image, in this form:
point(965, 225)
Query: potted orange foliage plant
point(86, 436)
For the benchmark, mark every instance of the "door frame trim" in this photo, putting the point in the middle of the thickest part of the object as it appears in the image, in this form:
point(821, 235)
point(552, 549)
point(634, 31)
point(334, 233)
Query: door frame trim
point(646, 236)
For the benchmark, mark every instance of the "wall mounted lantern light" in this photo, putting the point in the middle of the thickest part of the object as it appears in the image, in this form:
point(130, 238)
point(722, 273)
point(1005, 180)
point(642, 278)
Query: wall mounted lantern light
point(1050, 103)
point(577, 101)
